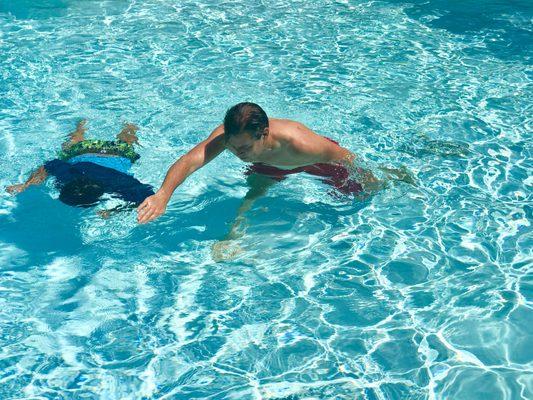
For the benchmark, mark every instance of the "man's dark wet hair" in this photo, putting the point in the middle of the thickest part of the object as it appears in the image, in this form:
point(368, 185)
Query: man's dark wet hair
point(81, 192)
point(245, 117)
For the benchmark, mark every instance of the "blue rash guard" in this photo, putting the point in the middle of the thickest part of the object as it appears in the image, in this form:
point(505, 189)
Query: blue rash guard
point(109, 172)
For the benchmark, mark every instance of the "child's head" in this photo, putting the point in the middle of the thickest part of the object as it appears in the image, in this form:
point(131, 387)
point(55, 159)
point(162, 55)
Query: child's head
point(244, 125)
point(81, 192)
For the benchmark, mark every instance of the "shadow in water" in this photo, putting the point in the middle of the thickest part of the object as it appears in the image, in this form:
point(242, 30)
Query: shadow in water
point(503, 20)
point(30, 9)
point(42, 226)
point(45, 228)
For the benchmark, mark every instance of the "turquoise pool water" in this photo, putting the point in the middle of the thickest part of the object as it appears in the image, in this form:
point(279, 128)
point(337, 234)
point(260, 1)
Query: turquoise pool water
point(417, 293)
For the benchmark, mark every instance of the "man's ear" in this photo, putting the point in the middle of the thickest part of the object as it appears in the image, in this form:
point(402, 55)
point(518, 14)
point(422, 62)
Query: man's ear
point(266, 131)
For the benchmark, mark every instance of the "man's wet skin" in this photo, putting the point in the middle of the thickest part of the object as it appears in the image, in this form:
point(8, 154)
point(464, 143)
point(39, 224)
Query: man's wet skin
point(286, 144)
point(283, 144)
point(274, 148)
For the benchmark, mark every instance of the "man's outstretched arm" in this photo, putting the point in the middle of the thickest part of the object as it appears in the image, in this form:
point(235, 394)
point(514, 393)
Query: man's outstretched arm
point(197, 157)
point(37, 177)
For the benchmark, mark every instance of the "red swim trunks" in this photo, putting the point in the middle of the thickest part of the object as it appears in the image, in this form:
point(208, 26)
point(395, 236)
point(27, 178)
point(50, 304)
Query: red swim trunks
point(337, 176)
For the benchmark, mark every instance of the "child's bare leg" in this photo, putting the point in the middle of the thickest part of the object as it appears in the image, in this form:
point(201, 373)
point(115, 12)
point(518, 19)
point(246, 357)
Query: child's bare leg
point(76, 136)
point(128, 133)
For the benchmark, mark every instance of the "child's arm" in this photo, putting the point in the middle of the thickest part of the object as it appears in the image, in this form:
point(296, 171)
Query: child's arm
point(155, 205)
point(37, 177)
point(122, 207)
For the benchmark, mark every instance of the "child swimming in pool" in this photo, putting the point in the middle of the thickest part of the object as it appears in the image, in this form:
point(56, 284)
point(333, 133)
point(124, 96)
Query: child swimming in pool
point(276, 148)
point(86, 169)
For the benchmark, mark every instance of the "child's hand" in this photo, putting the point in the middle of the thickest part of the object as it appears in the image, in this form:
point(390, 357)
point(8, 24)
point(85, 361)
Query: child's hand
point(14, 189)
point(105, 214)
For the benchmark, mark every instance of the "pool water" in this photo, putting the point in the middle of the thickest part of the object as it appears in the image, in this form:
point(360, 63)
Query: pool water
point(420, 292)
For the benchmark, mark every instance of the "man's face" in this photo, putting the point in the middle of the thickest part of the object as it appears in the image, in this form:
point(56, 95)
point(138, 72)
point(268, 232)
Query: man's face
point(245, 146)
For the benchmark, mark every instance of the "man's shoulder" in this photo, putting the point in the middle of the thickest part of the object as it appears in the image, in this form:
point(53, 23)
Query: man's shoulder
point(300, 136)
point(218, 131)
point(283, 123)
point(286, 130)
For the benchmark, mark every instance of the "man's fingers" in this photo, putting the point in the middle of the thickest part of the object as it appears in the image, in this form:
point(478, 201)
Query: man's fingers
point(141, 214)
point(148, 217)
point(145, 214)
point(141, 218)
point(144, 204)
point(149, 210)
point(143, 208)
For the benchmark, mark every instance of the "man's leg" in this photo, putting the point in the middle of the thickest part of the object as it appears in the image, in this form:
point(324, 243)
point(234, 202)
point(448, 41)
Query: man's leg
point(226, 249)
point(76, 136)
point(128, 133)
point(399, 174)
point(259, 185)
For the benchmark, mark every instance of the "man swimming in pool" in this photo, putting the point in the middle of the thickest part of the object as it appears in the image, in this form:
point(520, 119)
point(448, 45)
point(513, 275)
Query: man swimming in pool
point(276, 148)
point(86, 169)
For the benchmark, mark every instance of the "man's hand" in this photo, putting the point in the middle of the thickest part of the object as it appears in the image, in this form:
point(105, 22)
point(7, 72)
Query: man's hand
point(151, 208)
point(14, 189)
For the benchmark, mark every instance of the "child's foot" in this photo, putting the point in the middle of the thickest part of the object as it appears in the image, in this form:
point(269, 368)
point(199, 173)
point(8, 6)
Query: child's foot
point(81, 126)
point(78, 135)
point(128, 133)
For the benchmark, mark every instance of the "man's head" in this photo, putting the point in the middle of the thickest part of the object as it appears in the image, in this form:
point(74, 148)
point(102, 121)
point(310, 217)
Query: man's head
point(81, 192)
point(245, 125)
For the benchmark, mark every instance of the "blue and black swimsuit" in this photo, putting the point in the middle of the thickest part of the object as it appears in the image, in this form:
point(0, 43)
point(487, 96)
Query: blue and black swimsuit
point(106, 163)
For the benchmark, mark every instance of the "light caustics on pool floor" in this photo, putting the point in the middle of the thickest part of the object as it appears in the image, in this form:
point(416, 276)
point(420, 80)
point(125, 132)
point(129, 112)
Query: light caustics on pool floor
point(417, 293)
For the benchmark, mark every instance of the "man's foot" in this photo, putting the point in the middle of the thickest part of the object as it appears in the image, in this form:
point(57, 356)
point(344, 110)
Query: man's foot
point(400, 174)
point(128, 133)
point(225, 250)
